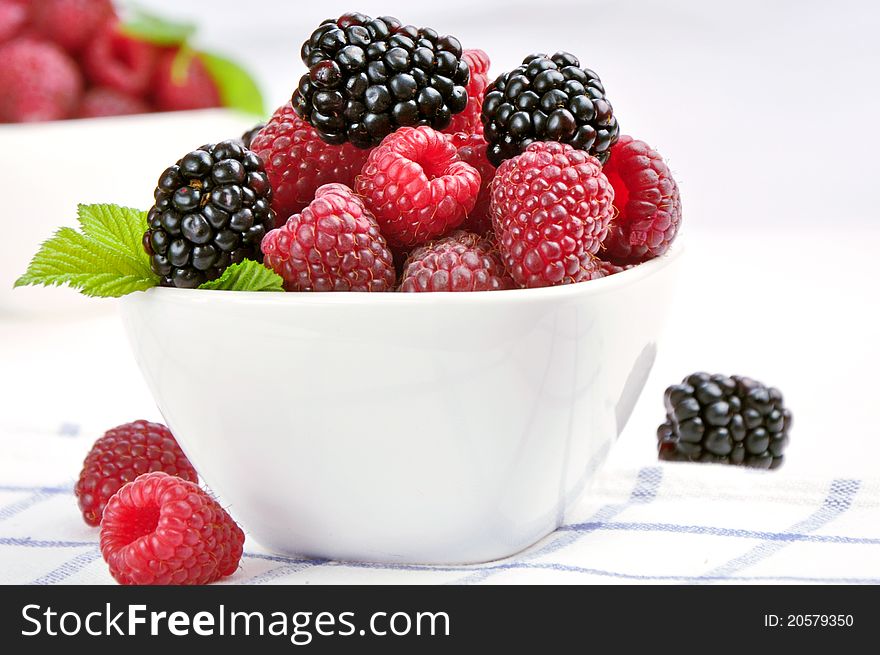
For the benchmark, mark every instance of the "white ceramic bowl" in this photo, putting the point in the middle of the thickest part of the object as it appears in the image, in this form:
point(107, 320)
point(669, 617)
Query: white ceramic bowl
point(431, 428)
point(49, 168)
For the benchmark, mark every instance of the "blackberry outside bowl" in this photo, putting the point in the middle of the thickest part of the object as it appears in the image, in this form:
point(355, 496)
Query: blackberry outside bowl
point(431, 428)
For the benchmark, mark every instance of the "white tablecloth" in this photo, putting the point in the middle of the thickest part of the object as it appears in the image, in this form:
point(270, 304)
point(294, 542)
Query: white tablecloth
point(776, 308)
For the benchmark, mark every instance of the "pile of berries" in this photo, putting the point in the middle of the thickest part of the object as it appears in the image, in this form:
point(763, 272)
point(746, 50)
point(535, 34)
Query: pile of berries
point(72, 59)
point(399, 165)
point(157, 525)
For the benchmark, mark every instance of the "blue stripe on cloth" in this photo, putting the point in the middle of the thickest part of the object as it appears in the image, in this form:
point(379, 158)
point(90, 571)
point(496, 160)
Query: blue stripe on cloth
point(69, 567)
point(721, 532)
point(565, 568)
point(44, 490)
point(837, 502)
point(648, 481)
point(27, 542)
point(19, 506)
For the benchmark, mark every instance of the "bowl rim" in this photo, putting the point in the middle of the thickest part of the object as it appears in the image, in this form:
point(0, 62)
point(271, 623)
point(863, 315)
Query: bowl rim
point(557, 293)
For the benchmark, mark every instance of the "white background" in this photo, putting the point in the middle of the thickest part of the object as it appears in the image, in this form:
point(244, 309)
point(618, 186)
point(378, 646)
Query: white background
point(767, 113)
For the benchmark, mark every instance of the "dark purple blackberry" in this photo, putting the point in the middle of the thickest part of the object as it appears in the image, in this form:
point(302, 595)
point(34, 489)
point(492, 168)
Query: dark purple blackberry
point(731, 420)
point(212, 210)
point(248, 136)
point(367, 77)
point(548, 99)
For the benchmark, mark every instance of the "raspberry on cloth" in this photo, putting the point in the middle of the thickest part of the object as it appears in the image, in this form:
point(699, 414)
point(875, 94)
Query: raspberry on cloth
point(160, 530)
point(122, 454)
point(417, 186)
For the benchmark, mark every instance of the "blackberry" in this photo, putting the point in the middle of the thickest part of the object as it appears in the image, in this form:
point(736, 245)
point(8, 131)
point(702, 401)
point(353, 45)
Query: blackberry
point(368, 77)
point(548, 99)
point(212, 210)
point(731, 420)
point(248, 136)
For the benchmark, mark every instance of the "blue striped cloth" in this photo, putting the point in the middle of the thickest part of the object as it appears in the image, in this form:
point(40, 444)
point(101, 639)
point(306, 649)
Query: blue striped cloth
point(670, 523)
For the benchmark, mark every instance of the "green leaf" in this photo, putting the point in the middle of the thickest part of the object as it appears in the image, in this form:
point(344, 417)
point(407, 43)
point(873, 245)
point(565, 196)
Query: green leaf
point(237, 88)
point(246, 276)
point(154, 29)
point(104, 259)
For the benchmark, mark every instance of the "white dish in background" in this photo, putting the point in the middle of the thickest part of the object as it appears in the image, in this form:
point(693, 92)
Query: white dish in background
point(49, 168)
point(431, 428)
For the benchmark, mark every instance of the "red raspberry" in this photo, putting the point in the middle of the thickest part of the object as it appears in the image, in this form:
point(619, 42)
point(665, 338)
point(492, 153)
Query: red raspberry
point(101, 101)
point(180, 88)
point(12, 18)
point(118, 61)
point(459, 262)
point(334, 244)
point(70, 23)
point(551, 206)
point(161, 530)
point(468, 121)
point(607, 268)
point(39, 82)
point(472, 149)
point(648, 202)
point(121, 455)
point(298, 161)
point(417, 186)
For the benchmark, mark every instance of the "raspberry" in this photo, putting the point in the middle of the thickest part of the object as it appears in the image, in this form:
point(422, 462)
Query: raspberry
point(70, 23)
point(39, 82)
point(607, 268)
point(13, 16)
point(334, 244)
point(161, 530)
point(212, 210)
point(247, 138)
point(179, 88)
point(417, 186)
point(648, 202)
point(548, 99)
point(118, 61)
point(367, 77)
point(121, 455)
point(472, 149)
point(468, 121)
point(298, 161)
point(728, 420)
point(459, 262)
point(551, 206)
point(103, 101)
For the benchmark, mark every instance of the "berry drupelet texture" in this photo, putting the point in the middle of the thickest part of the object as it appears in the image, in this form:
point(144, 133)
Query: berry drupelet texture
point(469, 120)
point(647, 201)
point(162, 530)
point(367, 77)
point(334, 244)
point(417, 186)
point(548, 99)
point(212, 210)
point(121, 455)
point(551, 207)
point(298, 161)
point(472, 150)
point(459, 262)
point(730, 420)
